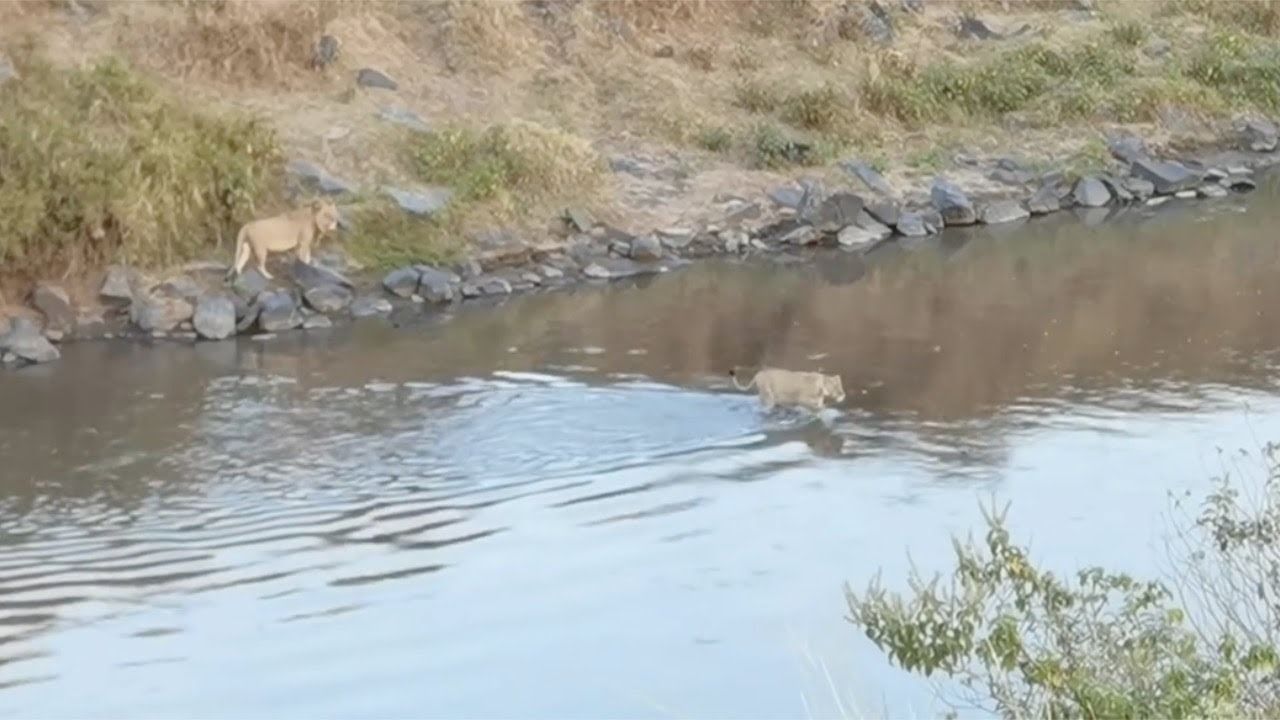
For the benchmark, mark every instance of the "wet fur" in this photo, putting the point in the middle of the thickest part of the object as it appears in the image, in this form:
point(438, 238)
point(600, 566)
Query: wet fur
point(792, 387)
point(299, 228)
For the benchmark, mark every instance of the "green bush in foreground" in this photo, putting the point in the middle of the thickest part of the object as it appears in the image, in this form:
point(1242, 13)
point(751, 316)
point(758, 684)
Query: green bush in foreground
point(1024, 642)
point(99, 164)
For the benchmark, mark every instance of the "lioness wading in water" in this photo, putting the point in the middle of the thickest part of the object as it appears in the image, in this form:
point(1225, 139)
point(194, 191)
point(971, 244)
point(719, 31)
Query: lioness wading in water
point(792, 387)
point(298, 228)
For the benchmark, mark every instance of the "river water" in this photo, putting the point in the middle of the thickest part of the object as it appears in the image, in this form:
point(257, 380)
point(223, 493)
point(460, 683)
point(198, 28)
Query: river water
point(558, 507)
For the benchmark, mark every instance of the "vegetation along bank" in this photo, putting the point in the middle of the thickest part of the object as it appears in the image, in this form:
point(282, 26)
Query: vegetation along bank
point(481, 149)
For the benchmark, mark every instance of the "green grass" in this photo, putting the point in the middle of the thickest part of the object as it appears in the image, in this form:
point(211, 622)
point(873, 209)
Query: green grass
point(504, 175)
point(717, 139)
point(101, 165)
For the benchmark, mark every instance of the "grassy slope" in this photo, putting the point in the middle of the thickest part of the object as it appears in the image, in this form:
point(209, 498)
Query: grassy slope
point(723, 93)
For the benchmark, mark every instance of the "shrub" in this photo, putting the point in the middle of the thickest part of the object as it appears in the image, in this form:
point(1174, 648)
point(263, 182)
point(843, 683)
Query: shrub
point(100, 165)
point(1028, 643)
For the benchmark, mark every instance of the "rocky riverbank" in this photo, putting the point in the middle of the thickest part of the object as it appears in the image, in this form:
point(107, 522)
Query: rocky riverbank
point(198, 304)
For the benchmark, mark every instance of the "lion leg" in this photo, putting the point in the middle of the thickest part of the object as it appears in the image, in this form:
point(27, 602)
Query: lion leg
point(241, 259)
point(261, 254)
point(304, 251)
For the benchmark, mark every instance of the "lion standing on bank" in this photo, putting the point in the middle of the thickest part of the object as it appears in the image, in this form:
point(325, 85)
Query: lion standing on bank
point(299, 228)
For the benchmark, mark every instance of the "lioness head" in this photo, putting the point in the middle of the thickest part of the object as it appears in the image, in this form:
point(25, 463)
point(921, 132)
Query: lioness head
point(325, 215)
point(834, 387)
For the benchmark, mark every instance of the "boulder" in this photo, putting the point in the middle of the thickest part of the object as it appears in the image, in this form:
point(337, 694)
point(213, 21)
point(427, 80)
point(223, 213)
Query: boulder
point(803, 235)
point(53, 301)
point(645, 247)
point(975, 28)
point(1091, 192)
point(423, 202)
point(1239, 183)
point(328, 298)
point(933, 221)
point(886, 212)
point(1168, 177)
point(912, 224)
point(435, 285)
point(952, 203)
point(182, 286)
point(1117, 188)
point(865, 231)
point(868, 175)
point(1127, 148)
point(1044, 201)
point(486, 285)
point(249, 284)
point(1258, 135)
point(1212, 190)
point(372, 78)
point(369, 305)
point(1140, 189)
point(876, 23)
point(317, 322)
point(787, 196)
point(402, 282)
point(25, 341)
point(308, 276)
point(160, 312)
point(617, 268)
point(278, 312)
point(214, 317)
point(1003, 211)
point(837, 211)
point(118, 285)
point(325, 52)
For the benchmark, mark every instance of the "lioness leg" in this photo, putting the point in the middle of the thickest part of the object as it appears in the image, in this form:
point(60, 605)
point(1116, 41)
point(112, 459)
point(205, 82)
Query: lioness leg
point(304, 251)
point(242, 257)
point(261, 255)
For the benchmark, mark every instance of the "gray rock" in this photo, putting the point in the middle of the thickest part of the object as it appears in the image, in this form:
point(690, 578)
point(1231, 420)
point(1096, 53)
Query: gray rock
point(811, 200)
point(404, 117)
point(973, 28)
point(531, 278)
point(866, 231)
point(215, 317)
point(182, 286)
point(25, 341)
point(912, 224)
point(1239, 183)
point(933, 220)
point(317, 322)
point(1003, 211)
point(1212, 191)
point(249, 284)
point(550, 272)
point(617, 268)
point(435, 285)
point(1140, 189)
point(645, 247)
point(839, 210)
point(787, 196)
point(159, 312)
point(803, 235)
point(886, 212)
point(402, 282)
point(868, 175)
point(1044, 201)
point(54, 335)
point(371, 78)
point(278, 312)
point(325, 52)
point(488, 285)
point(1168, 177)
point(89, 323)
point(1117, 188)
point(369, 305)
point(117, 286)
point(676, 239)
point(1156, 48)
point(1091, 192)
point(740, 211)
point(1258, 134)
point(328, 298)
point(54, 302)
point(953, 204)
point(1126, 148)
point(426, 202)
point(1009, 176)
point(313, 176)
point(314, 276)
point(467, 269)
point(876, 23)
point(579, 219)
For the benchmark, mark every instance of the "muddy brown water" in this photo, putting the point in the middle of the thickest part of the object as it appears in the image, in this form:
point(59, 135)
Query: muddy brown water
point(558, 507)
